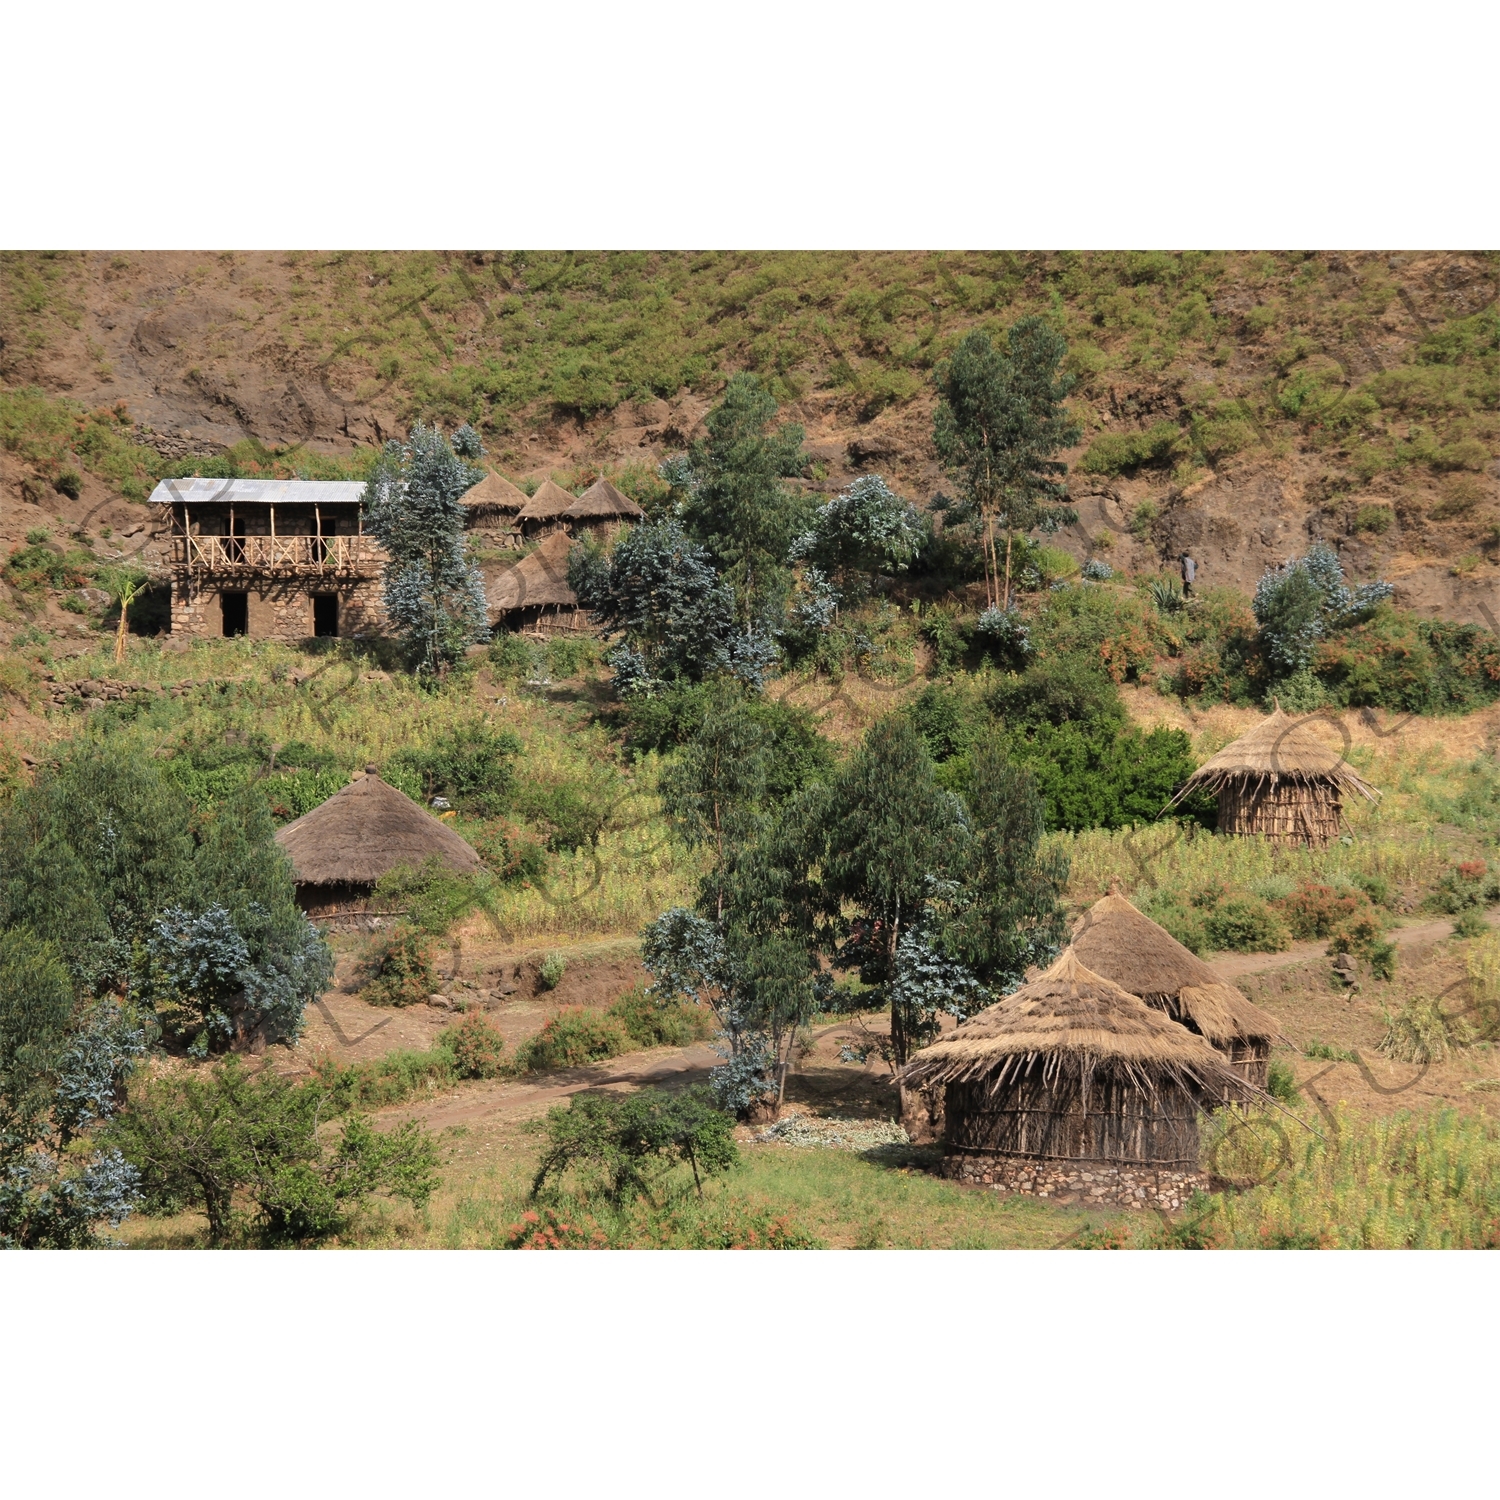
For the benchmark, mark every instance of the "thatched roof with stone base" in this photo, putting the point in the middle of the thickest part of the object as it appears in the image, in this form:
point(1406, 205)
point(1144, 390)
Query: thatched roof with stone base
point(364, 831)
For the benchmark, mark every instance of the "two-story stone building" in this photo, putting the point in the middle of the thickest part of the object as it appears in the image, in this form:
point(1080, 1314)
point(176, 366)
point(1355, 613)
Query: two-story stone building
point(282, 559)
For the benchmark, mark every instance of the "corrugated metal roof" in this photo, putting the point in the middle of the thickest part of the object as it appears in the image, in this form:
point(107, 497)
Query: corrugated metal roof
point(258, 491)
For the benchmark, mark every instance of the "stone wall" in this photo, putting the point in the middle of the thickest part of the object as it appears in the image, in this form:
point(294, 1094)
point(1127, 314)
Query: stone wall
point(1077, 1181)
point(279, 611)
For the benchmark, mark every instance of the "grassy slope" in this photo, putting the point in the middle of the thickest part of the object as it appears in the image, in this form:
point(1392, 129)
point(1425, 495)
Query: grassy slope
point(1374, 362)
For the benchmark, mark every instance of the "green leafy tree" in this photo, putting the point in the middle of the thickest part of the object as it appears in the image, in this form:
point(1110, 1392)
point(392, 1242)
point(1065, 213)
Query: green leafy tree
point(208, 1139)
point(62, 1072)
point(733, 491)
point(891, 844)
point(413, 504)
point(999, 424)
point(1012, 915)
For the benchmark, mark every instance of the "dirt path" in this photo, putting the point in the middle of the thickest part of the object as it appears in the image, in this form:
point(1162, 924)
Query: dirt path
point(1418, 934)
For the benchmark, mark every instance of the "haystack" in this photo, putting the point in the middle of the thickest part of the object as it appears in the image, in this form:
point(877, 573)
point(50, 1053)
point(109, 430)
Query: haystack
point(534, 595)
point(1072, 1087)
point(1126, 947)
point(601, 505)
point(364, 831)
point(494, 499)
point(544, 511)
point(1279, 780)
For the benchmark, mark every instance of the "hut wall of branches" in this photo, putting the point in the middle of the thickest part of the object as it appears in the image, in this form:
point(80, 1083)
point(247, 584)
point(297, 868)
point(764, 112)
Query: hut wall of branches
point(1286, 812)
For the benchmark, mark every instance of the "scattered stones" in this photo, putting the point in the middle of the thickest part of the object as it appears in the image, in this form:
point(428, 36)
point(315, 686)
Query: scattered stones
point(836, 1135)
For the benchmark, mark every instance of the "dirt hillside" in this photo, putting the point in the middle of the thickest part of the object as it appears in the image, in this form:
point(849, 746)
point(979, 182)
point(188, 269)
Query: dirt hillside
point(1271, 398)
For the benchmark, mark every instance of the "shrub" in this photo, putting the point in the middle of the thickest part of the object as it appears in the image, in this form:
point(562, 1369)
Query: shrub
point(399, 969)
point(572, 1039)
point(432, 895)
point(651, 1022)
point(1123, 452)
point(469, 764)
point(1243, 924)
point(204, 1139)
point(568, 655)
point(478, 1049)
point(1375, 519)
point(1281, 1082)
point(548, 1229)
point(1463, 887)
point(629, 1141)
point(1316, 911)
point(554, 966)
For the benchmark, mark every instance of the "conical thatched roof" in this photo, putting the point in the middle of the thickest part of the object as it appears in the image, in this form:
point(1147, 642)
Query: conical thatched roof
point(541, 578)
point(1278, 749)
point(1126, 947)
point(603, 502)
point(1069, 1014)
point(548, 504)
point(495, 496)
point(364, 831)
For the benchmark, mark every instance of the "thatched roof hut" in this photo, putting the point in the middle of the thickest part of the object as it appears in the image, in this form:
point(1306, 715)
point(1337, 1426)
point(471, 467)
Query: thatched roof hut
point(1279, 780)
point(602, 504)
point(535, 594)
point(1126, 947)
point(494, 499)
point(1074, 1087)
point(544, 511)
point(364, 831)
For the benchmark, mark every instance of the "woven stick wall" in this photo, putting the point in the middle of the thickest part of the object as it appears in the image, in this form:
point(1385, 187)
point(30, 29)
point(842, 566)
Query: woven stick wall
point(1107, 1118)
point(1291, 812)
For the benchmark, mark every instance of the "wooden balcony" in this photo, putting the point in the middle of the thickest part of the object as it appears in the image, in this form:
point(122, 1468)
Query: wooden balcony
point(244, 557)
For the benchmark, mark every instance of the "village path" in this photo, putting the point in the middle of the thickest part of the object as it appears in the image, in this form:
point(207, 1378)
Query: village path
point(1415, 935)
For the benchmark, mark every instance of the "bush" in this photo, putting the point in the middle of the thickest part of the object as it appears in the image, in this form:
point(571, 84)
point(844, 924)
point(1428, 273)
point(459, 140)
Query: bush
point(469, 765)
point(478, 1049)
point(629, 1141)
point(399, 969)
point(568, 655)
point(205, 1139)
point(554, 966)
point(1124, 452)
point(1243, 924)
point(432, 895)
point(1281, 1082)
point(548, 1229)
point(1463, 887)
point(650, 1022)
point(1375, 519)
point(1317, 911)
point(573, 1038)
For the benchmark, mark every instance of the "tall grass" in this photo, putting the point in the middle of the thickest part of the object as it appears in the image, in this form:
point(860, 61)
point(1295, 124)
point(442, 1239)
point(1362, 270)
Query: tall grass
point(1414, 1182)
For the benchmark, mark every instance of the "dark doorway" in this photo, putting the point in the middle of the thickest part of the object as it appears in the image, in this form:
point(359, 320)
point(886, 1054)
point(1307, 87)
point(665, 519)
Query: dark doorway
point(325, 614)
point(236, 609)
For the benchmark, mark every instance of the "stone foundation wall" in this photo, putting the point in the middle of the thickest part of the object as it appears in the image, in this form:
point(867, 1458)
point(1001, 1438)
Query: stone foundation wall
point(281, 611)
point(1077, 1181)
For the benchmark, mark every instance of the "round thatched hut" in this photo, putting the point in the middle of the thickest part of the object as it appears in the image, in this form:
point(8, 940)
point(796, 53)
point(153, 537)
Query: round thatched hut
point(364, 831)
point(1074, 1089)
point(493, 502)
point(1126, 947)
point(543, 513)
point(534, 595)
point(602, 507)
point(1279, 780)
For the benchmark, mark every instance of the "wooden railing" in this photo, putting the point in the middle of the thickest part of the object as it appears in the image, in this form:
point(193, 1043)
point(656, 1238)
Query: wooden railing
point(286, 555)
